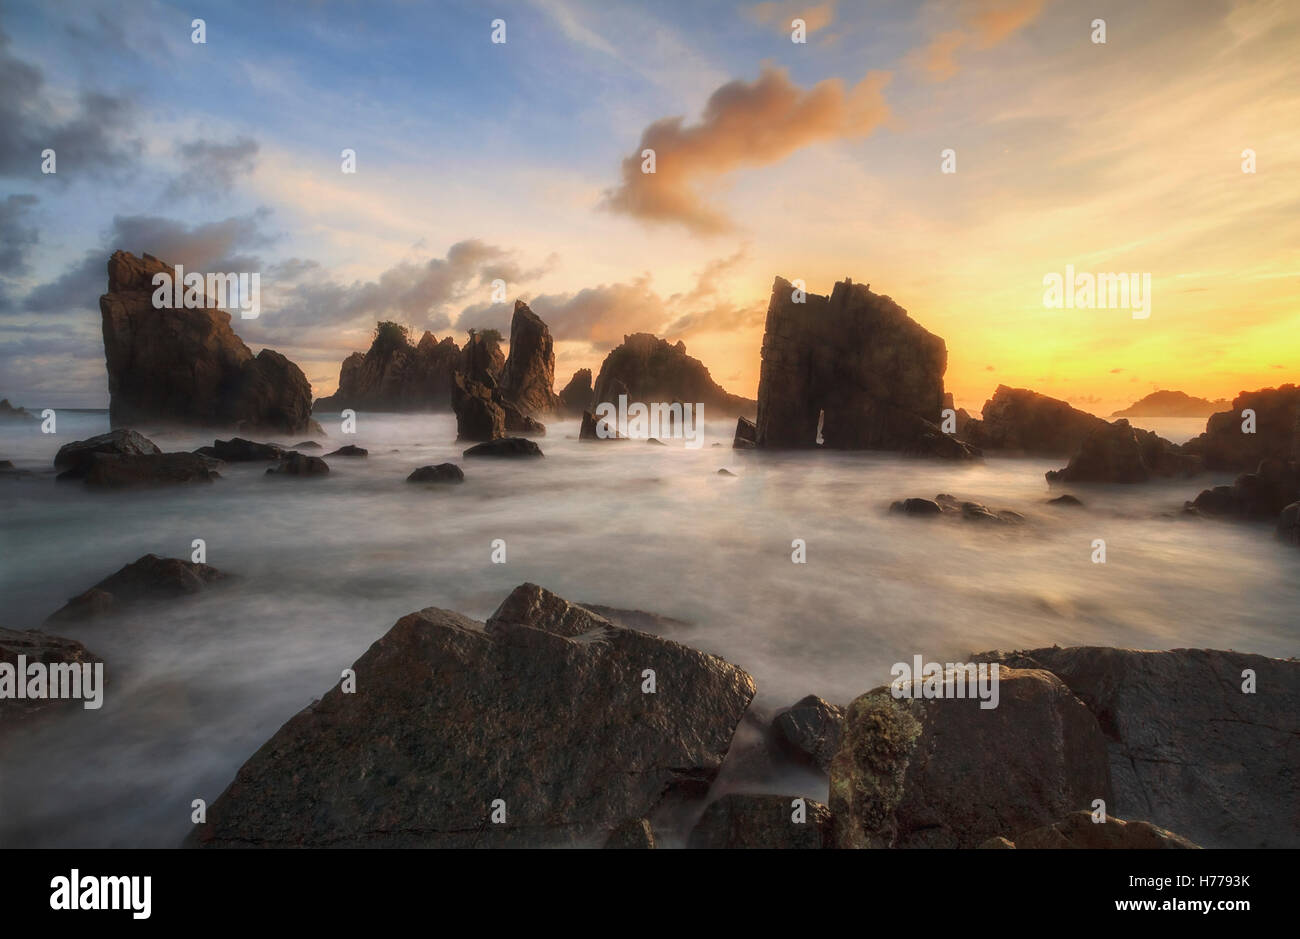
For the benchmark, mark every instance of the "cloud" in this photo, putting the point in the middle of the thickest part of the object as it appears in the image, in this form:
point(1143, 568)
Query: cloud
point(987, 23)
point(779, 13)
point(91, 140)
point(211, 168)
point(17, 236)
point(744, 124)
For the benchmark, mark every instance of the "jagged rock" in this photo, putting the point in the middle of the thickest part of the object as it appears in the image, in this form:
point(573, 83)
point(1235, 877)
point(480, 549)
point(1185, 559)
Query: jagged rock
point(187, 365)
point(1065, 500)
point(809, 732)
point(442, 473)
point(126, 470)
point(150, 578)
point(505, 447)
point(635, 833)
point(517, 422)
point(1260, 495)
point(1078, 830)
point(944, 772)
point(239, 450)
point(349, 450)
point(481, 359)
point(10, 413)
point(652, 370)
point(746, 435)
point(1288, 524)
point(478, 417)
point(1225, 446)
point(294, 463)
point(36, 646)
point(120, 442)
point(450, 715)
point(640, 620)
point(396, 375)
point(1024, 421)
point(528, 378)
point(761, 821)
point(1188, 749)
point(915, 507)
point(854, 362)
point(593, 429)
point(932, 442)
point(577, 394)
point(1119, 453)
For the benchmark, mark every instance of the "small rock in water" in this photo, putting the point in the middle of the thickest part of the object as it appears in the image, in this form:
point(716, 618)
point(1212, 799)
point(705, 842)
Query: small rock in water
point(656, 441)
point(1066, 499)
point(915, 507)
point(442, 473)
point(505, 447)
point(149, 578)
point(307, 445)
point(725, 472)
point(298, 464)
point(349, 450)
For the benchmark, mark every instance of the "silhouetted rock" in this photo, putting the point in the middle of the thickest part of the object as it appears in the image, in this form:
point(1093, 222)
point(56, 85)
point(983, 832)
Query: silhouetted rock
point(396, 374)
point(1022, 421)
point(1119, 453)
point(915, 507)
point(1078, 830)
point(239, 450)
point(1226, 446)
point(856, 362)
point(306, 445)
point(1065, 500)
point(150, 578)
point(746, 435)
point(505, 447)
point(634, 834)
point(481, 358)
point(187, 365)
point(528, 378)
point(650, 370)
point(120, 442)
point(809, 732)
point(120, 471)
point(442, 473)
point(294, 463)
point(577, 394)
point(38, 647)
point(725, 472)
point(457, 722)
point(349, 450)
point(10, 413)
point(1260, 495)
point(1190, 749)
point(1172, 404)
point(478, 417)
point(762, 821)
point(597, 429)
point(944, 772)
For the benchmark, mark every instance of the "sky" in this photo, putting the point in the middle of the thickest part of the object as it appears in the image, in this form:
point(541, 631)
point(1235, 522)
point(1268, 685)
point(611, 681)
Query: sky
point(522, 161)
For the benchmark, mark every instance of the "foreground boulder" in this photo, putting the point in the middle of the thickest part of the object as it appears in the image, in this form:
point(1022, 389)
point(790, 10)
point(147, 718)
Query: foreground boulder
point(508, 447)
point(1078, 830)
point(239, 450)
point(120, 442)
point(1189, 750)
point(763, 821)
point(123, 471)
point(1261, 495)
point(442, 473)
point(853, 362)
point(150, 578)
point(1225, 445)
point(651, 370)
point(946, 773)
point(528, 377)
point(37, 647)
point(187, 365)
point(809, 732)
point(1020, 421)
point(395, 374)
point(537, 719)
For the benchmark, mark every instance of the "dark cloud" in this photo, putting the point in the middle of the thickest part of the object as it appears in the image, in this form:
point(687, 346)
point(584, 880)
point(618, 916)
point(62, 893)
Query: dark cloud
point(211, 168)
point(94, 140)
point(17, 236)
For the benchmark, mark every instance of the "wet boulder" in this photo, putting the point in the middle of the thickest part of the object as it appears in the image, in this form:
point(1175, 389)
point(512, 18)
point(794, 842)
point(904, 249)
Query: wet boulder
point(147, 579)
point(123, 471)
point(507, 447)
point(442, 473)
point(120, 442)
point(809, 732)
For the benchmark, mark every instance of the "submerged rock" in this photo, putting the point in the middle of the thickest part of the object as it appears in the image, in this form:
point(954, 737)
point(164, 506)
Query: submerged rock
point(915, 507)
point(349, 450)
point(150, 578)
point(442, 473)
point(299, 464)
point(36, 646)
point(1066, 500)
point(239, 450)
point(533, 730)
point(505, 447)
point(763, 821)
point(947, 773)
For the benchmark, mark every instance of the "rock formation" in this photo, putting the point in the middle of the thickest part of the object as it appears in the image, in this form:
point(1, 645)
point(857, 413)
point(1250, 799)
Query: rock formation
point(652, 370)
point(528, 378)
point(506, 447)
point(1119, 453)
point(478, 417)
point(1172, 404)
point(120, 442)
point(854, 363)
point(762, 821)
point(10, 413)
point(1226, 445)
point(187, 365)
point(809, 732)
point(442, 473)
point(1189, 748)
point(1018, 420)
point(294, 463)
point(396, 375)
point(239, 450)
point(151, 578)
point(1078, 830)
point(483, 410)
point(577, 394)
point(1260, 495)
point(531, 730)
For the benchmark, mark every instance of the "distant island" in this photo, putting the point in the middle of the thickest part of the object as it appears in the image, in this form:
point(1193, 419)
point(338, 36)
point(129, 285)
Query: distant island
point(1173, 404)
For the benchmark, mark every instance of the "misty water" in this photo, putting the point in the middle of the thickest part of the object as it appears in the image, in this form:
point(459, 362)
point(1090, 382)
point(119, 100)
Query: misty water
point(325, 566)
